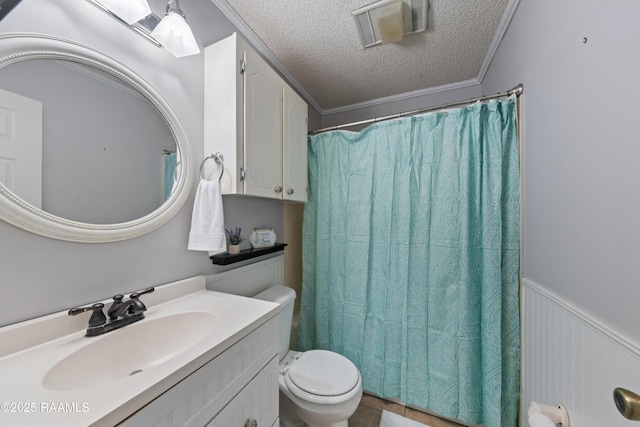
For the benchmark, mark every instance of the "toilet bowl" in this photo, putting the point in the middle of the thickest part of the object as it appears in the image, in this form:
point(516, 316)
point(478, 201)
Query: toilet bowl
point(323, 388)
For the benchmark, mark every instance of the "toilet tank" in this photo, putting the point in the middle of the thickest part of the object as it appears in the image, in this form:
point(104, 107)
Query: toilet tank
point(284, 296)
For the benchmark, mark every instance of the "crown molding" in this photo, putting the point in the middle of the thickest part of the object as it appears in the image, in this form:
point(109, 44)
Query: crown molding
point(231, 14)
point(503, 26)
point(264, 50)
point(402, 96)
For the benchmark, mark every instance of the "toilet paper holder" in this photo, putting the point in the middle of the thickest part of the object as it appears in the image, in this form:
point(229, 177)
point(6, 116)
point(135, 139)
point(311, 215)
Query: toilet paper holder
point(558, 414)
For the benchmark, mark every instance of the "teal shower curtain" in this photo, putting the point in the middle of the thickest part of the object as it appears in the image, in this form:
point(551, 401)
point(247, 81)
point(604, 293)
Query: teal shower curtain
point(411, 243)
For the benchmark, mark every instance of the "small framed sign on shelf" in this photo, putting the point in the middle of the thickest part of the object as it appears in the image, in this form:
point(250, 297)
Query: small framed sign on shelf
point(262, 238)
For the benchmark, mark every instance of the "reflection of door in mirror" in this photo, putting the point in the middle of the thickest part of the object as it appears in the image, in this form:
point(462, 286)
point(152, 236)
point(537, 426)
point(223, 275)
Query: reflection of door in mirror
point(103, 141)
point(21, 146)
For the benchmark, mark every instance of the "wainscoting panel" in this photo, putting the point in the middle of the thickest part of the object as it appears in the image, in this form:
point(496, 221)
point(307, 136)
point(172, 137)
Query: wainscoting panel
point(572, 358)
point(250, 279)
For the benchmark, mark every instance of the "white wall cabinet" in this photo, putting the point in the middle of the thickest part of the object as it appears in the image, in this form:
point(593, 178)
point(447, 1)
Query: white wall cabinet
point(256, 121)
point(238, 385)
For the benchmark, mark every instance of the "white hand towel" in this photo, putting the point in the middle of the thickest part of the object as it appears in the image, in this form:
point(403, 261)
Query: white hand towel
point(207, 222)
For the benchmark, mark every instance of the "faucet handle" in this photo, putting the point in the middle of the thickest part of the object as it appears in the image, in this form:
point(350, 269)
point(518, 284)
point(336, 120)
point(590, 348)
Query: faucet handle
point(138, 306)
point(97, 317)
point(137, 294)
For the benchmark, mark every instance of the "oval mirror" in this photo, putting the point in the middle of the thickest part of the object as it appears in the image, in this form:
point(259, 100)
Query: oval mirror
point(89, 151)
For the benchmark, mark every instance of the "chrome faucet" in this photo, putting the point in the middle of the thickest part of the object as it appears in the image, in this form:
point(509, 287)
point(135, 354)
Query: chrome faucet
point(121, 313)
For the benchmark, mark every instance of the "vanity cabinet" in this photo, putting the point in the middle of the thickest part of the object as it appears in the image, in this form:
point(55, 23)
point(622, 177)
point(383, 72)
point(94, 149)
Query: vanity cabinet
point(239, 385)
point(254, 403)
point(258, 123)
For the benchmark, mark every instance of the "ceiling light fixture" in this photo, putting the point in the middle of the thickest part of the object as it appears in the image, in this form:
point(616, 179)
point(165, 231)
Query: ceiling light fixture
point(130, 11)
point(174, 33)
point(391, 22)
point(388, 21)
point(6, 6)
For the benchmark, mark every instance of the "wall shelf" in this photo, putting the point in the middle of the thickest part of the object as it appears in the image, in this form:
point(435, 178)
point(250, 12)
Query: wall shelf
point(226, 258)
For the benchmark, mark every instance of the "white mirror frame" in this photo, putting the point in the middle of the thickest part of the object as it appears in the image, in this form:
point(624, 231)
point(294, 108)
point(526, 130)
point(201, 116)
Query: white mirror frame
point(15, 47)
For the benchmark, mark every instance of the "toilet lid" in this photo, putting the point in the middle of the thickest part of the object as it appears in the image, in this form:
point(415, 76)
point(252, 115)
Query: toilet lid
point(324, 373)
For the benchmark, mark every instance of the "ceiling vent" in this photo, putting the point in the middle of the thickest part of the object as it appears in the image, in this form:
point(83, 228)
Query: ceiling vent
point(387, 21)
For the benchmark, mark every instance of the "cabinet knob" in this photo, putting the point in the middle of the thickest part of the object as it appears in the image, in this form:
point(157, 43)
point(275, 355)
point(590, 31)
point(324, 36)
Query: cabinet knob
point(277, 189)
point(251, 423)
point(290, 191)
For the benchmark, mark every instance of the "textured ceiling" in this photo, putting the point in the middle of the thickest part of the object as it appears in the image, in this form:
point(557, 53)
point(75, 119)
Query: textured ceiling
point(317, 43)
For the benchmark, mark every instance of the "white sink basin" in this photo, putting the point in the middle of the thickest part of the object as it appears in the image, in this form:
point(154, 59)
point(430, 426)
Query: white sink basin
point(129, 350)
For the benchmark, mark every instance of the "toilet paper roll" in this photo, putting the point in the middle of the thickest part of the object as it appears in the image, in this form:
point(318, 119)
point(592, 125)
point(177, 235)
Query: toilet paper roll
point(540, 420)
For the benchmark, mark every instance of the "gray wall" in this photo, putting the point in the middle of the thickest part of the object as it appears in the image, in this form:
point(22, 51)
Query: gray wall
point(39, 275)
point(580, 150)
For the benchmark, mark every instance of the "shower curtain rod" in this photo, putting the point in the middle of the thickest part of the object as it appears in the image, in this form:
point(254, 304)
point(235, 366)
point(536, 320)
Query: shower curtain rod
point(517, 91)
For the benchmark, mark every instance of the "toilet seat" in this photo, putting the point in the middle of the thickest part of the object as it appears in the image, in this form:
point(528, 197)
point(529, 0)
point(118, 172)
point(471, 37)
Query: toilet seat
point(322, 376)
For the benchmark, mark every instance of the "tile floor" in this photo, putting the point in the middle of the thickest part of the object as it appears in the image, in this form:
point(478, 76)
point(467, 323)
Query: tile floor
point(370, 409)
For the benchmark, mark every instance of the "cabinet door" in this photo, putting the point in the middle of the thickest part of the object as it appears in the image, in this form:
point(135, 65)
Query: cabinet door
point(263, 129)
point(295, 146)
point(224, 111)
point(257, 401)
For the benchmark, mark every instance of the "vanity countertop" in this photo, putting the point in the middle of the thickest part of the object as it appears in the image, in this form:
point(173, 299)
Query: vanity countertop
point(47, 380)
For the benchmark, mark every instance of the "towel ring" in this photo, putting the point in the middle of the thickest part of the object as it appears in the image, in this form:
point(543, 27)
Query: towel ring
point(219, 158)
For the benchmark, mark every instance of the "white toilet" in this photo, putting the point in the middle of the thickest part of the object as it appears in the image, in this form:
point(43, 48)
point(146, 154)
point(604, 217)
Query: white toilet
point(323, 387)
